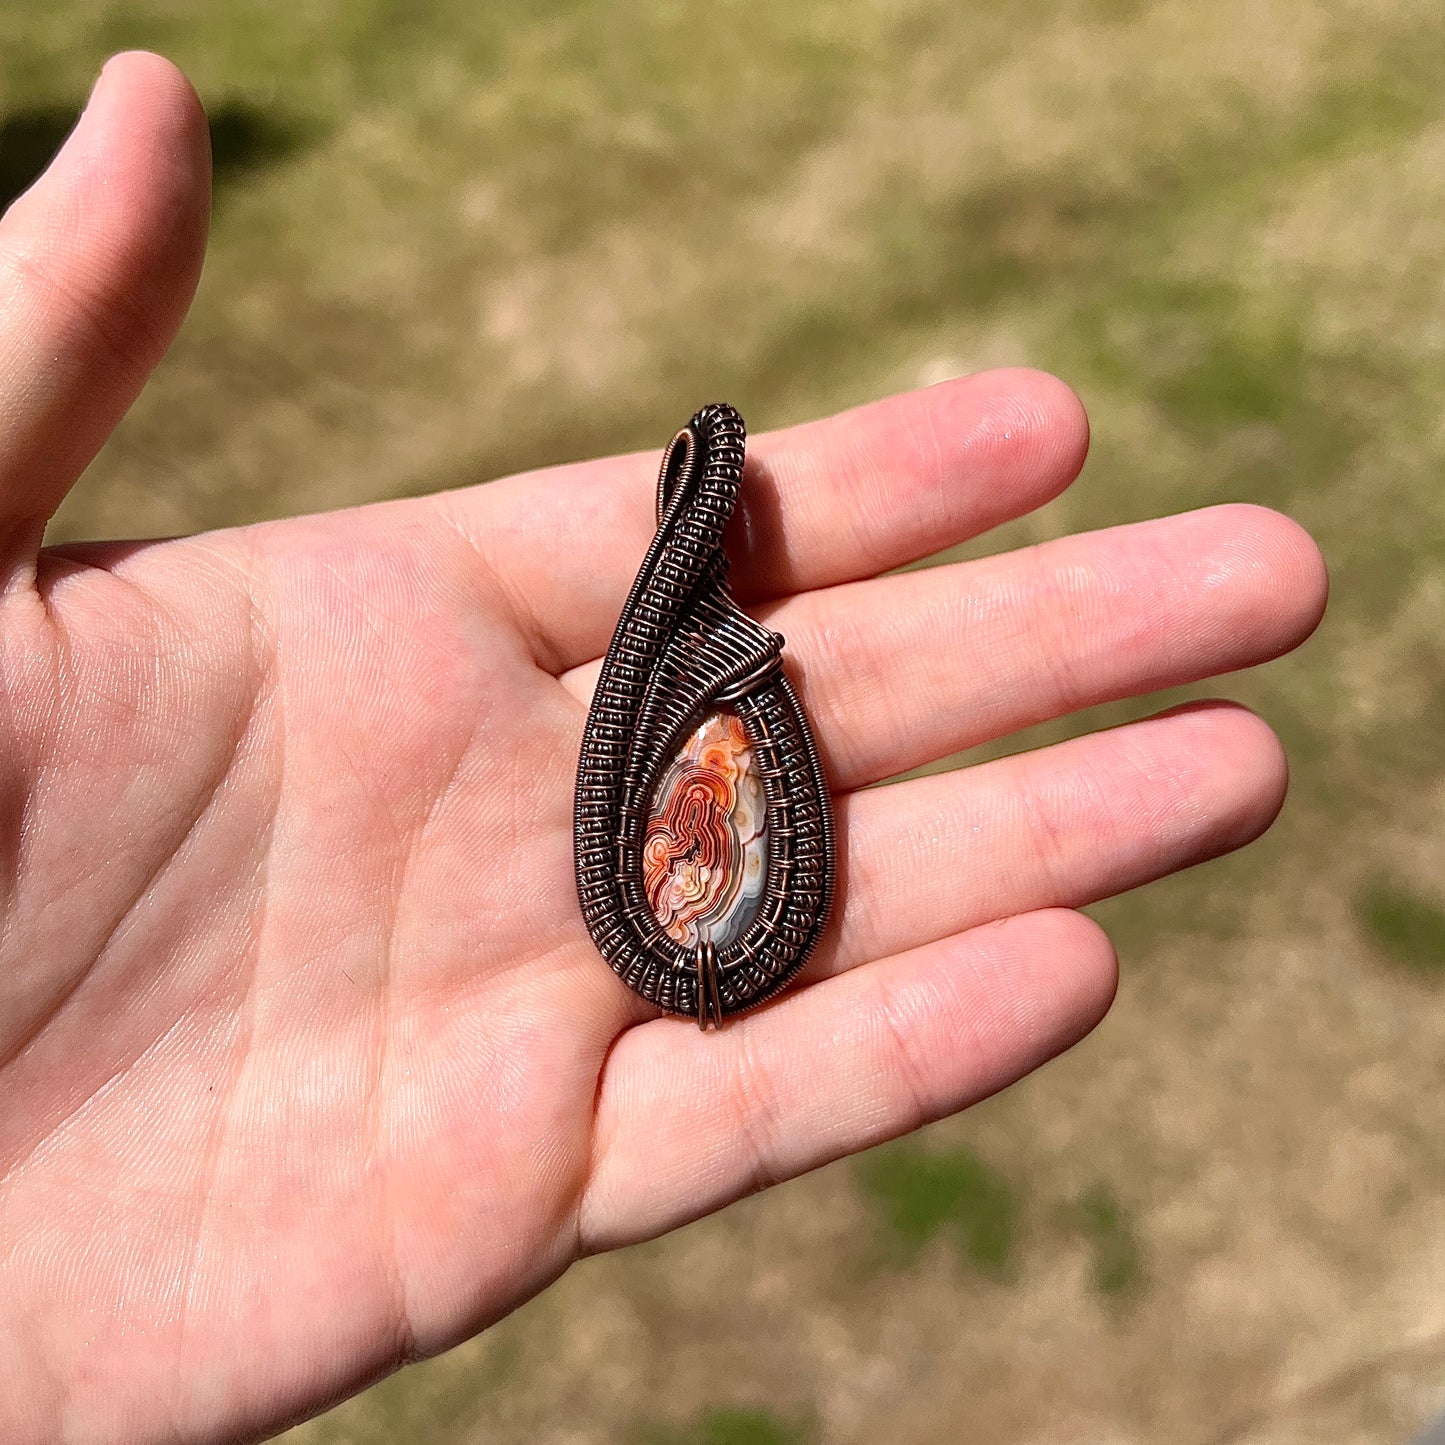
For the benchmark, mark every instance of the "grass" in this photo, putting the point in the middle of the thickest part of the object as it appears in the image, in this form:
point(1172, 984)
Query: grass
point(1105, 1223)
point(1408, 929)
point(728, 1426)
point(921, 1194)
point(454, 240)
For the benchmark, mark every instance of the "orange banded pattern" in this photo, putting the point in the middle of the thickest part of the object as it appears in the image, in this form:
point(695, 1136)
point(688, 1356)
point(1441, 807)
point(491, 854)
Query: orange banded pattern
point(704, 858)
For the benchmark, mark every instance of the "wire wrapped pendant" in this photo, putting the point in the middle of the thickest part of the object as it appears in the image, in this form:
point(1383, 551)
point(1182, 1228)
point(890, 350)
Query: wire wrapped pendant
point(704, 839)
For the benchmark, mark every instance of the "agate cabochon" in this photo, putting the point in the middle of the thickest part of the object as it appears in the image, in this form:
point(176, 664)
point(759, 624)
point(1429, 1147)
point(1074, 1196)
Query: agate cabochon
point(705, 854)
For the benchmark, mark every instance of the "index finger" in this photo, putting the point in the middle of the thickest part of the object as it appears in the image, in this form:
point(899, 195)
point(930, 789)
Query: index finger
point(824, 502)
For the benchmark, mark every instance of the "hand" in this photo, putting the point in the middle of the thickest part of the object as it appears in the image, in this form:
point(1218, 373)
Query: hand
point(307, 1065)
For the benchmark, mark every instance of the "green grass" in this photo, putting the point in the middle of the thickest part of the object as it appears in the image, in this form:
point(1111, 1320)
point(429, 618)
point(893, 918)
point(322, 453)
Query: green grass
point(729, 1426)
point(1105, 1223)
point(1408, 929)
point(921, 1194)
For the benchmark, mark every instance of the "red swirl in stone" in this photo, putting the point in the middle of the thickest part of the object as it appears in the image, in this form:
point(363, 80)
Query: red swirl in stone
point(699, 833)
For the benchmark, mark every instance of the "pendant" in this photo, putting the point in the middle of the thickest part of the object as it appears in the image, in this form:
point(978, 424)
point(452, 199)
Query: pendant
point(703, 834)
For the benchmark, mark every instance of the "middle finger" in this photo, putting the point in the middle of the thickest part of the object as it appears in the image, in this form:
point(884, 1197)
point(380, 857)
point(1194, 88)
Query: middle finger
point(899, 671)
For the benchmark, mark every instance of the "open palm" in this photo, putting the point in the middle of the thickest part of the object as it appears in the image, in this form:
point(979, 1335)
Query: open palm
point(307, 1065)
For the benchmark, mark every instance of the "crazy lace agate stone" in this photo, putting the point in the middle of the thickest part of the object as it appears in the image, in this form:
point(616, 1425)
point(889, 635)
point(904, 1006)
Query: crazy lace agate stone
point(705, 854)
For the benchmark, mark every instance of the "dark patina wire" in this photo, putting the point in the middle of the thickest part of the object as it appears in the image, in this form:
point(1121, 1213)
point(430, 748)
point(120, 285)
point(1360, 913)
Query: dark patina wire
point(682, 649)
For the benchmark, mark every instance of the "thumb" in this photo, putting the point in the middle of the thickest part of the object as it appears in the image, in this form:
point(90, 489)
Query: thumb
point(98, 264)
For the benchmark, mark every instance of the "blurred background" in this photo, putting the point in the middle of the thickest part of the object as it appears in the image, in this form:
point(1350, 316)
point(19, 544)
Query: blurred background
point(454, 239)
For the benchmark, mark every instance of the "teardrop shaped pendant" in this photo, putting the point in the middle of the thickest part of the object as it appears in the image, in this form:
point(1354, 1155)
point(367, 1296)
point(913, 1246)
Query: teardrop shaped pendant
point(704, 839)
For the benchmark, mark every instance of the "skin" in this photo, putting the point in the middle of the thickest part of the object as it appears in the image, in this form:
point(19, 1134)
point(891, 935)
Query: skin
point(307, 1066)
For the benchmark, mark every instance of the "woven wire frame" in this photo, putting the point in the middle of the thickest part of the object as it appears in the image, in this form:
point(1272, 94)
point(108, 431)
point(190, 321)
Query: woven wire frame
point(682, 649)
